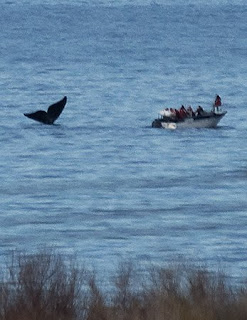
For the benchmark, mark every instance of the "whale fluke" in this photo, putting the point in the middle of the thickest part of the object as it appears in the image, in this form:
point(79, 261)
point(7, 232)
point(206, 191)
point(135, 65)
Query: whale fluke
point(51, 115)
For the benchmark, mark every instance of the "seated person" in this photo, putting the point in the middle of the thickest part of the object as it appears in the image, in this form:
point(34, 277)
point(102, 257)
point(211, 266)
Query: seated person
point(182, 112)
point(168, 113)
point(190, 112)
point(199, 111)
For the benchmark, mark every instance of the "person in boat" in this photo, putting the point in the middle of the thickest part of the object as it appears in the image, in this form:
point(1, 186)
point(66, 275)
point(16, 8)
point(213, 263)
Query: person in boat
point(217, 102)
point(190, 112)
point(199, 111)
point(168, 113)
point(173, 113)
point(182, 112)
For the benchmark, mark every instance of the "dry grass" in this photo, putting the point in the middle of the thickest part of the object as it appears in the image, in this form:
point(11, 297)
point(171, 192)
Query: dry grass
point(45, 286)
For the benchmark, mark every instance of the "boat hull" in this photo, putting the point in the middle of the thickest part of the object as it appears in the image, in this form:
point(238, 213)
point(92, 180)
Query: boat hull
point(209, 121)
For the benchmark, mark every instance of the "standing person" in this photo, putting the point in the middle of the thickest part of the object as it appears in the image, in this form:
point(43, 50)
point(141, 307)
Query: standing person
point(217, 102)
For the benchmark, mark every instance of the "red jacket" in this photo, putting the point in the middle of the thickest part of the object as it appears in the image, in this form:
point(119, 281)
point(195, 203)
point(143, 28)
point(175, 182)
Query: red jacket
point(217, 102)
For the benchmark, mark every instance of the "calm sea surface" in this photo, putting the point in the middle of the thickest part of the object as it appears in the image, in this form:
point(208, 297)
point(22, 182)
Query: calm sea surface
point(102, 183)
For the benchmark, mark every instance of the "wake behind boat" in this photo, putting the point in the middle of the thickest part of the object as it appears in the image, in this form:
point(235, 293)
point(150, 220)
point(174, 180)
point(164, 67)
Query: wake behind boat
point(187, 118)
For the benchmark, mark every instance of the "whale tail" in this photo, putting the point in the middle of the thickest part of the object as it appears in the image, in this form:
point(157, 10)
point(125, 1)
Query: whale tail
point(49, 117)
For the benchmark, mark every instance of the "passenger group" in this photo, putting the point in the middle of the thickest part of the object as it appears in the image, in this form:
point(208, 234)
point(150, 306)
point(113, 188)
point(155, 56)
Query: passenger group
point(188, 112)
point(182, 112)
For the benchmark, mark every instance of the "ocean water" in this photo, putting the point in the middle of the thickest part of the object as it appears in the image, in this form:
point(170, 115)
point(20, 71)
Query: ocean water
point(101, 183)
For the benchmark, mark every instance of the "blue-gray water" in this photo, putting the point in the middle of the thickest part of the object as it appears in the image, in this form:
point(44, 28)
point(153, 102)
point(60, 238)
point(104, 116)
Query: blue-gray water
point(102, 183)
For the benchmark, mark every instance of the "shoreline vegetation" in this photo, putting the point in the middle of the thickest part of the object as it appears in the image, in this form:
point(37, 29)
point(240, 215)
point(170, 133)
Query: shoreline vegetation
point(49, 286)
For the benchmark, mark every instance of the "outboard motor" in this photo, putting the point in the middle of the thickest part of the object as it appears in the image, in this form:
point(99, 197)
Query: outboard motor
point(156, 123)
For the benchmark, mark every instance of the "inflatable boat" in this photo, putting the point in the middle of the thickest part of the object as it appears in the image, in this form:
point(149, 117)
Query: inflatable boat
point(169, 119)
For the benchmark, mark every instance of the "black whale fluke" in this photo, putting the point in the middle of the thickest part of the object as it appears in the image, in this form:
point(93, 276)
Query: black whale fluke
point(51, 115)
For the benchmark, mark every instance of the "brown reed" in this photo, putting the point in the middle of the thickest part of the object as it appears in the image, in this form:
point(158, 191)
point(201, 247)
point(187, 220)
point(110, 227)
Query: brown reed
point(48, 286)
